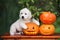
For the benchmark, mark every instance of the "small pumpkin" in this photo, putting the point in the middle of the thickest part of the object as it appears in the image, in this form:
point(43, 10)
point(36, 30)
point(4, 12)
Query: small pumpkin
point(47, 17)
point(47, 29)
point(32, 29)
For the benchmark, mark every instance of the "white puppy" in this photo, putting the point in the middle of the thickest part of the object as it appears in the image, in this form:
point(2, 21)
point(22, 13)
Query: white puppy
point(24, 17)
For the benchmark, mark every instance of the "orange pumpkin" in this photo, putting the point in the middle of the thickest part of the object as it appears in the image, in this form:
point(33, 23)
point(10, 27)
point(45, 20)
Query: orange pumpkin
point(47, 17)
point(32, 29)
point(47, 29)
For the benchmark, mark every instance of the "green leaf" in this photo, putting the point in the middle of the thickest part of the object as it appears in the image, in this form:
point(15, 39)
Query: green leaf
point(27, 4)
point(37, 13)
point(55, 13)
point(57, 30)
point(39, 9)
point(32, 1)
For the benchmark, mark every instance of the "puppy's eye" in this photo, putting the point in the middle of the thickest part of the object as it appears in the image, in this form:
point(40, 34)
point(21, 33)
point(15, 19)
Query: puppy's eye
point(21, 13)
point(25, 13)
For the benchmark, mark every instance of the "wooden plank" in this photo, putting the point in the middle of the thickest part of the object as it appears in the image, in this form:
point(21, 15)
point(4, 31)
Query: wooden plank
point(31, 37)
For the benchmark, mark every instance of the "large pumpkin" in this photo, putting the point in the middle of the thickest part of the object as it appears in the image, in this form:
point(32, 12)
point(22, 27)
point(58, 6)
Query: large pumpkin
point(47, 29)
point(32, 29)
point(47, 17)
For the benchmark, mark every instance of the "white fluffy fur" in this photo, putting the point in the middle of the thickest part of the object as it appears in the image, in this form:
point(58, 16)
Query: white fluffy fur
point(20, 23)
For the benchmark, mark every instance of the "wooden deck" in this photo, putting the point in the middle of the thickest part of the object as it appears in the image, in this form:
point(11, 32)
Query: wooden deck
point(26, 37)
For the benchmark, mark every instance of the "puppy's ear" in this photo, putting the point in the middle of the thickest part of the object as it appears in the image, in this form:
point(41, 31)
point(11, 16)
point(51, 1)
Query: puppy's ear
point(30, 16)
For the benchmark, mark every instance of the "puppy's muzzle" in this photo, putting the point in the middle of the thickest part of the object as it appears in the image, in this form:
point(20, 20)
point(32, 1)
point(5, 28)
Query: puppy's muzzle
point(22, 17)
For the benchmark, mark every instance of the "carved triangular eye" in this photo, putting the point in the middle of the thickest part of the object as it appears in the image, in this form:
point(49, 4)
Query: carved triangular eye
point(48, 27)
point(33, 27)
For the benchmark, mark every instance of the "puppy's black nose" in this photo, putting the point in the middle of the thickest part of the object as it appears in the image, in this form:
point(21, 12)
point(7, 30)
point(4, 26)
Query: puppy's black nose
point(22, 17)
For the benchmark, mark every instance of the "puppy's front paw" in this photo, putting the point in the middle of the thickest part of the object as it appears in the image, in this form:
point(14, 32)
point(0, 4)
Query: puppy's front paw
point(12, 34)
point(20, 33)
point(25, 27)
point(17, 33)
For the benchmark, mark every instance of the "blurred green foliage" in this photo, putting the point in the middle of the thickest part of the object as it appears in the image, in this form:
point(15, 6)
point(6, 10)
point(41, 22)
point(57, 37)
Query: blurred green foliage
point(37, 6)
point(9, 11)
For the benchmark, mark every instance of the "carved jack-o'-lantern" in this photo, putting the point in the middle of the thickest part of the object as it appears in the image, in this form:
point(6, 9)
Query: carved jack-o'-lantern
point(47, 29)
point(32, 29)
